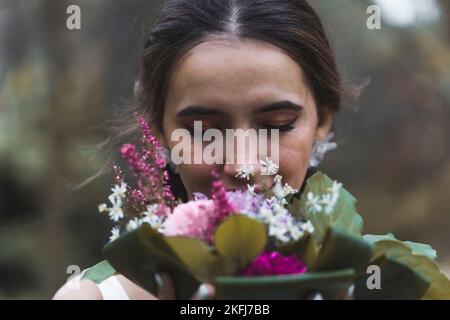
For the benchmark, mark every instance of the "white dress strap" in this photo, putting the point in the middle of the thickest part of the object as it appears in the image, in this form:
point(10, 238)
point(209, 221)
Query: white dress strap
point(112, 289)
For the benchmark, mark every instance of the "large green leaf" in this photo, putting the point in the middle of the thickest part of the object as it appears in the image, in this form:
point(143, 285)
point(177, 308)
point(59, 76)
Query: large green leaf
point(240, 239)
point(344, 215)
point(417, 248)
point(397, 281)
point(99, 272)
point(406, 273)
point(142, 253)
point(341, 250)
point(200, 259)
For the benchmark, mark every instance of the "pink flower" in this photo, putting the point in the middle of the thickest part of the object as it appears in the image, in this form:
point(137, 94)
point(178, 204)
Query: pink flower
point(191, 219)
point(274, 263)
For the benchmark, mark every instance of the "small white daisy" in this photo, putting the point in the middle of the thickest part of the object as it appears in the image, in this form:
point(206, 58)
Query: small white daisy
point(308, 227)
point(115, 233)
point(312, 203)
point(119, 190)
point(102, 207)
point(116, 213)
point(134, 224)
point(328, 202)
point(245, 171)
point(251, 189)
point(269, 168)
point(115, 200)
point(154, 221)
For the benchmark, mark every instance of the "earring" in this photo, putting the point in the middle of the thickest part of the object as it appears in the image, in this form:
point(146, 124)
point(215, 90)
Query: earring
point(320, 147)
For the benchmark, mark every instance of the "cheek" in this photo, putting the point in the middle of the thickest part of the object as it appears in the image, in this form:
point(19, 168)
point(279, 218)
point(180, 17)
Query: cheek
point(294, 157)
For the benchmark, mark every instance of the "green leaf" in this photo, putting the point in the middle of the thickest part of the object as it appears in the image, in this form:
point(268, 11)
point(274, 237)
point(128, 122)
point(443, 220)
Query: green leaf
point(340, 250)
point(240, 239)
point(141, 253)
point(99, 272)
point(200, 259)
point(397, 281)
point(406, 273)
point(344, 215)
point(417, 248)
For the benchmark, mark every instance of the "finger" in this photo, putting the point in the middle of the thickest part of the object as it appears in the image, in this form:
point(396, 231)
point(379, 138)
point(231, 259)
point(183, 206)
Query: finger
point(166, 290)
point(204, 292)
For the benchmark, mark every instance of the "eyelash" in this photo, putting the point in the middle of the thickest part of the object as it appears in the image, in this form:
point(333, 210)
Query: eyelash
point(283, 128)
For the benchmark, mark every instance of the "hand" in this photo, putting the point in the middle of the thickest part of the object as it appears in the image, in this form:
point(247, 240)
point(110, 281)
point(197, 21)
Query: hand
point(167, 290)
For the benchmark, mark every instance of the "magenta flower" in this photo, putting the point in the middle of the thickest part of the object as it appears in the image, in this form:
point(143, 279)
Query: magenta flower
point(274, 263)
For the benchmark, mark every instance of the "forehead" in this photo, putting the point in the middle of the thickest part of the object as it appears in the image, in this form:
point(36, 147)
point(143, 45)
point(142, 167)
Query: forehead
point(248, 71)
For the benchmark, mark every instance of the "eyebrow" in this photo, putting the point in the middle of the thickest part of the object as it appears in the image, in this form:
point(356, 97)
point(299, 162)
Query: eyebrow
point(210, 111)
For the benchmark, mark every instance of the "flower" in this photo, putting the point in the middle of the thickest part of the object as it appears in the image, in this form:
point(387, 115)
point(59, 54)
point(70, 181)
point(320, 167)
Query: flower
point(328, 202)
point(134, 224)
point(119, 190)
point(245, 171)
point(115, 232)
point(308, 227)
point(269, 167)
point(102, 207)
point(191, 219)
point(251, 189)
point(312, 203)
point(274, 263)
point(116, 213)
point(156, 222)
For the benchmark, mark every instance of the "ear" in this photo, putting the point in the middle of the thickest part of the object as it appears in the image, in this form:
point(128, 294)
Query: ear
point(325, 123)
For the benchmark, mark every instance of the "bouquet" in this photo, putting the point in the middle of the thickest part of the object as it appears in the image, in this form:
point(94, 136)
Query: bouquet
point(279, 243)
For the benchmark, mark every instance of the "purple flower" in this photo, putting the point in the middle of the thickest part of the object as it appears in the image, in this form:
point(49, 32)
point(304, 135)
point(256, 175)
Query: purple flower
point(274, 263)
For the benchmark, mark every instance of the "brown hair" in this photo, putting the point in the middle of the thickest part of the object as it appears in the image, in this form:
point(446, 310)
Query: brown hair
point(292, 25)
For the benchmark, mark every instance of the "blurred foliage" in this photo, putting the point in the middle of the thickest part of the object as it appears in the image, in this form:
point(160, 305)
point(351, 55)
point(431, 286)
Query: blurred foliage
point(57, 86)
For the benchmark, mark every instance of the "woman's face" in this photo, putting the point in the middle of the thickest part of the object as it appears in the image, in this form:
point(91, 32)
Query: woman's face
point(236, 85)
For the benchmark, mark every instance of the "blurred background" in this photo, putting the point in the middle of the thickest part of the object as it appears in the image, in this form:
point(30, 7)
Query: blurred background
point(57, 86)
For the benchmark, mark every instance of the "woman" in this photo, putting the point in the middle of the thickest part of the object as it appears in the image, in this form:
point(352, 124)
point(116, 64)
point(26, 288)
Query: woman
point(232, 64)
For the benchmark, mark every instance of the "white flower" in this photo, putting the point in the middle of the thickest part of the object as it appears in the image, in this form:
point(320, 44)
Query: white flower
point(156, 222)
point(134, 224)
point(328, 202)
point(334, 189)
point(251, 189)
point(115, 200)
point(115, 233)
point(264, 215)
point(278, 191)
point(287, 189)
point(102, 207)
point(296, 231)
point(269, 168)
point(308, 227)
point(151, 210)
point(116, 213)
point(245, 171)
point(279, 233)
point(119, 190)
point(312, 203)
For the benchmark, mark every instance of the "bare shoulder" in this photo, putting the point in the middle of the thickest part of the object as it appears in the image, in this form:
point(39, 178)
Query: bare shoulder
point(78, 290)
